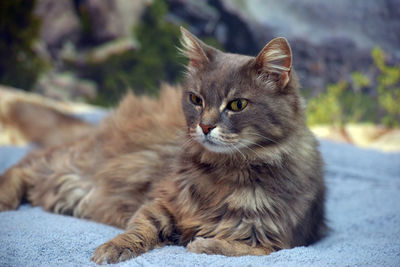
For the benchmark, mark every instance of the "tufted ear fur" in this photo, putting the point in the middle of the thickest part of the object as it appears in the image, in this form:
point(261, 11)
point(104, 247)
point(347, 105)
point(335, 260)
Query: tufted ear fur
point(199, 53)
point(276, 57)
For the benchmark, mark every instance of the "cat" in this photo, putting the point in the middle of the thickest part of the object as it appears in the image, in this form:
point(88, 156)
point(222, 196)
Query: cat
point(225, 165)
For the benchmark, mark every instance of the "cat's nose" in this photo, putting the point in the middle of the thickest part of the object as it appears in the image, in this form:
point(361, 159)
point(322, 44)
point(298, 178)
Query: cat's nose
point(206, 128)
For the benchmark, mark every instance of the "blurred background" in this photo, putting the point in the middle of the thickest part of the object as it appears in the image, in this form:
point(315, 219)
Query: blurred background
point(346, 53)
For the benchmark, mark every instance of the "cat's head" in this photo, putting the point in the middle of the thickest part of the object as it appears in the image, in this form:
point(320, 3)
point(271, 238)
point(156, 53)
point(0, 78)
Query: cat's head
point(235, 103)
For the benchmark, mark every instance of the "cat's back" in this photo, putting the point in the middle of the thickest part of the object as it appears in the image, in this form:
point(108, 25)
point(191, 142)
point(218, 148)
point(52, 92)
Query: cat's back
point(143, 122)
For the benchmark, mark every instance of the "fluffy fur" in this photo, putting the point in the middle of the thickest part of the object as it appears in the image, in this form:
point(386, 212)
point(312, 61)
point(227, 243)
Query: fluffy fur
point(187, 168)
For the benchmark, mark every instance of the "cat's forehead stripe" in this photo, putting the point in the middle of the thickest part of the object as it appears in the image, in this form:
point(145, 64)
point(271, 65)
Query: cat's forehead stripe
point(231, 92)
point(223, 105)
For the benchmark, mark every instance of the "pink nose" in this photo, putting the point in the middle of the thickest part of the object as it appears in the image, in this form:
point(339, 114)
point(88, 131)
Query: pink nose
point(206, 128)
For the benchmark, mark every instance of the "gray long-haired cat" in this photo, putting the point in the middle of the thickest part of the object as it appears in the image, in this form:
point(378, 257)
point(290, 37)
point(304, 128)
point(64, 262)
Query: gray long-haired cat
point(236, 173)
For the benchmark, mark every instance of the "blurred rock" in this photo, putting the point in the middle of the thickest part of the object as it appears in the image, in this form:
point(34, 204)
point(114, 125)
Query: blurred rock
point(65, 87)
point(330, 39)
point(213, 18)
point(365, 22)
point(201, 16)
point(59, 22)
point(98, 54)
point(112, 19)
point(108, 20)
point(82, 32)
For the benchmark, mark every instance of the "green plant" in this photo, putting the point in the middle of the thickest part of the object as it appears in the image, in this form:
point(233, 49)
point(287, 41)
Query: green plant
point(345, 102)
point(20, 66)
point(388, 88)
point(340, 104)
point(326, 108)
point(360, 80)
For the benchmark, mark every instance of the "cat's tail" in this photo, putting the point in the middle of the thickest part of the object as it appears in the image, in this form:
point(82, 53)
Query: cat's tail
point(41, 124)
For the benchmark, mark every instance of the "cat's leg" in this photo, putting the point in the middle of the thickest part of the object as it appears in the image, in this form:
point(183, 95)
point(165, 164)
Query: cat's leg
point(224, 247)
point(47, 178)
point(12, 189)
point(150, 227)
point(16, 181)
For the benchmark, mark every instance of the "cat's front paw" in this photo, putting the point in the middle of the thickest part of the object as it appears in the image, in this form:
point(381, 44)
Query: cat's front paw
point(203, 245)
point(112, 252)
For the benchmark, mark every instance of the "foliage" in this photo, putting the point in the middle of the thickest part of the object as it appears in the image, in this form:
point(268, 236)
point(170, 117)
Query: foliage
point(388, 88)
point(343, 102)
point(142, 71)
point(340, 105)
point(326, 108)
point(19, 28)
point(360, 80)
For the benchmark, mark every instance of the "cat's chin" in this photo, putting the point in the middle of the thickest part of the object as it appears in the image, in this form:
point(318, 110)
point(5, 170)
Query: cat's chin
point(216, 148)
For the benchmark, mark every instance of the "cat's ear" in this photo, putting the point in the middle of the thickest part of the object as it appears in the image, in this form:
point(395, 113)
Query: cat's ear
point(199, 53)
point(276, 57)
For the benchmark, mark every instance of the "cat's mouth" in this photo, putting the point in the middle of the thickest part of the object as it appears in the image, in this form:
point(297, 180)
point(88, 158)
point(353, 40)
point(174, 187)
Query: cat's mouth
point(214, 145)
point(211, 141)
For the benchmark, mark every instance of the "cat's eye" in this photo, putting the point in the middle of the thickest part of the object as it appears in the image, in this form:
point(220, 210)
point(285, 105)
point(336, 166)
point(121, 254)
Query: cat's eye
point(237, 105)
point(195, 100)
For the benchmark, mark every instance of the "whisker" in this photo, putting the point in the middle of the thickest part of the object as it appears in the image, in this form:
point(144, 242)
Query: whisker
point(238, 150)
point(230, 149)
point(187, 141)
point(245, 145)
point(253, 143)
point(262, 136)
point(229, 136)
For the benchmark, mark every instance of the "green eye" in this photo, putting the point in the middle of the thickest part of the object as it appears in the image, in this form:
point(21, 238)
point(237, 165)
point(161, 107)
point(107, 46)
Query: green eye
point(237, 105)
point(195, 100)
